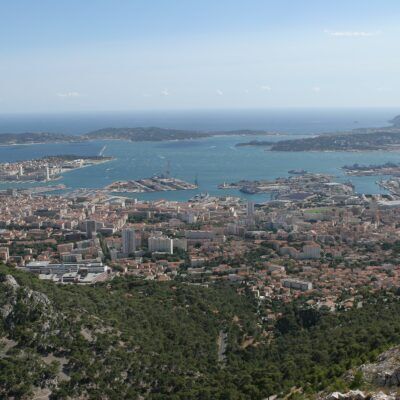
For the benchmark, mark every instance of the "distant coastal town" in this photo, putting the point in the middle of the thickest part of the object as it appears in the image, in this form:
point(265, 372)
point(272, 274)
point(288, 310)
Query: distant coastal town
point(46, 169)
point(303, 242)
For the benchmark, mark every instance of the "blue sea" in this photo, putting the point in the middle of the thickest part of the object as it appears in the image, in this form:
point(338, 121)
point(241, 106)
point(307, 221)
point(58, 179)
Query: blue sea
point(213, 160)
point(292, 121)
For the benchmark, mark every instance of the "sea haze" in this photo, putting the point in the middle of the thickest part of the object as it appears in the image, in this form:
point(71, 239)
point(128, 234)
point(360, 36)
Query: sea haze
point(293, 121)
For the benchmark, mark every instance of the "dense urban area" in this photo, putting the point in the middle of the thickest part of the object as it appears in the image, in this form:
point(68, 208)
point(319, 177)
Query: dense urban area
point(236, 284)
point(104, 296)
point(317, 238)
point(199, 200)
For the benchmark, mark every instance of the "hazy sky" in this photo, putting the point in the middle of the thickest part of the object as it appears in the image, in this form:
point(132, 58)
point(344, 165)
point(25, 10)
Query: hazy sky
point(71, 55)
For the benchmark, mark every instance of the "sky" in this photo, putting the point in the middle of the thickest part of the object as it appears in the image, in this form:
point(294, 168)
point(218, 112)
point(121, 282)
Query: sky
point(121, 55)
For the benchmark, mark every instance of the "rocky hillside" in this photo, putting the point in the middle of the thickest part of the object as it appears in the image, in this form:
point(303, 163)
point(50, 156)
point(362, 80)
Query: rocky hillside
point(381, 379)
point(385, 372)
point(124, 340)
point(31, 327)
point(132, 339)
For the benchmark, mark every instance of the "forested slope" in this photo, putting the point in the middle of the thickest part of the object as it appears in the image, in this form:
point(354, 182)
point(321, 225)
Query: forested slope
point(131, 339)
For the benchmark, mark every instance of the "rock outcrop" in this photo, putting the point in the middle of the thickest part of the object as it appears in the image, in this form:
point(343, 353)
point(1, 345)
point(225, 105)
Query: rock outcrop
point(9, 287)
point(359, 395)
point(28, 315)
point(385, 372)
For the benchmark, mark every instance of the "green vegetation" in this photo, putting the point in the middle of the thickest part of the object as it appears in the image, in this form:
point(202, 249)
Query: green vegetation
point(130, 134)
point(131, 339)
point(142, 217)
point(36, 137)
point(376, 140)
point(160, 134)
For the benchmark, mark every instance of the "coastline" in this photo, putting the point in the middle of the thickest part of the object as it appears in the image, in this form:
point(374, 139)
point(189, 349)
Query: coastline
point(334, 151)
point(66, 171)
point(88, 140)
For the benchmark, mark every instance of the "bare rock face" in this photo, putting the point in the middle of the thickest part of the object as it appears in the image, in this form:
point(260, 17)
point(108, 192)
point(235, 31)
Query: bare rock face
point(385, 372)
point(359, 395)
point(26, 312)
point(355, 395)
point(6, 310)
point(9, 286)
point(11, 282)
point(351, 395)
point(383, 396)
point(334, 396)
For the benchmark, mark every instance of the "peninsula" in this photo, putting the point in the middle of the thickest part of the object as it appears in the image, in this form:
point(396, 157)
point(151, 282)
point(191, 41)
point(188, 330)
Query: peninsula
point(363, 139)
point(384, 139)
point(154, 134)
point(139, 134)
point(47, 168)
